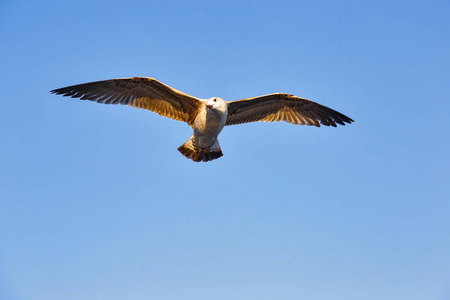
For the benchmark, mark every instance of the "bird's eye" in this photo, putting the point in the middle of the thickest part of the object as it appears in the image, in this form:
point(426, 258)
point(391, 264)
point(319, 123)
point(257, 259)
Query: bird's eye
point(215, 100)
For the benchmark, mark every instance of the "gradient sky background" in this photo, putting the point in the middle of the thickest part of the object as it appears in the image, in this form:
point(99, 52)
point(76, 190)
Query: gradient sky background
point(97, 203)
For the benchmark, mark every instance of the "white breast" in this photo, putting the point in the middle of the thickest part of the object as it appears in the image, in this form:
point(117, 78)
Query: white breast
point(207, 126)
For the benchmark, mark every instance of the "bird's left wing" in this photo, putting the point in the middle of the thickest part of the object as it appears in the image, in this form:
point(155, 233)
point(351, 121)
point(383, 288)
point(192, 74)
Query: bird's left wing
point(140, 92)
point(283, 107)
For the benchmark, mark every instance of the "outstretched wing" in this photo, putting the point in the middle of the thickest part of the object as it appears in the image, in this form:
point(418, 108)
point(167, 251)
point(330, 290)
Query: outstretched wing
point(283, 107)
point(140, 92)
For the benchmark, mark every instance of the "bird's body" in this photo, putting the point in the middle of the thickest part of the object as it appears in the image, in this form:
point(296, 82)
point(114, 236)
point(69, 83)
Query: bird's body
point(210, 122)
point(207, 117)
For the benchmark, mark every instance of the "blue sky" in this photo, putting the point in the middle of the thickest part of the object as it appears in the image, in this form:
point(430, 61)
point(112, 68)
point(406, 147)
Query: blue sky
point(97, 203)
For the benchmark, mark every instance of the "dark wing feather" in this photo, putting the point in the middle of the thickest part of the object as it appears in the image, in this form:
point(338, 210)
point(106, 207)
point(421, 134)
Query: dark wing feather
point(283, 107)
point(140, 92)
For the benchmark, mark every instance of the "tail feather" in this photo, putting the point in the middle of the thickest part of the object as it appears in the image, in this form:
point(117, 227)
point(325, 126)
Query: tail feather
point(189, 150)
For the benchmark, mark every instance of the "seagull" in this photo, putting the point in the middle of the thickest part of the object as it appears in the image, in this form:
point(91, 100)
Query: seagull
point(206, 117)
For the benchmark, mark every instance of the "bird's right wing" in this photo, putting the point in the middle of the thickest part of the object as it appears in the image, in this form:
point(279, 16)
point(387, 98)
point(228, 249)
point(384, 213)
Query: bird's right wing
point(140, 92)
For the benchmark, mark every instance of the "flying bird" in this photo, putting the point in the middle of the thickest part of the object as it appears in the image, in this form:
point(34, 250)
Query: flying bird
point(206, 117)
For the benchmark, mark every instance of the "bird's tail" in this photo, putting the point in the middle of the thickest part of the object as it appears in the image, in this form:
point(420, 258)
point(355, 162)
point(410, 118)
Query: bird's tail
point(189, 150)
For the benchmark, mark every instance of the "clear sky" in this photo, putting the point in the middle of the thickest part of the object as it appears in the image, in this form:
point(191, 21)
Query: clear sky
point(97, 203)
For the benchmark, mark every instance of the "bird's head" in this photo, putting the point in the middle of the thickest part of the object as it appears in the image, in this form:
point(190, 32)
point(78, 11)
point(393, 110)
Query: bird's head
point(216, 103)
